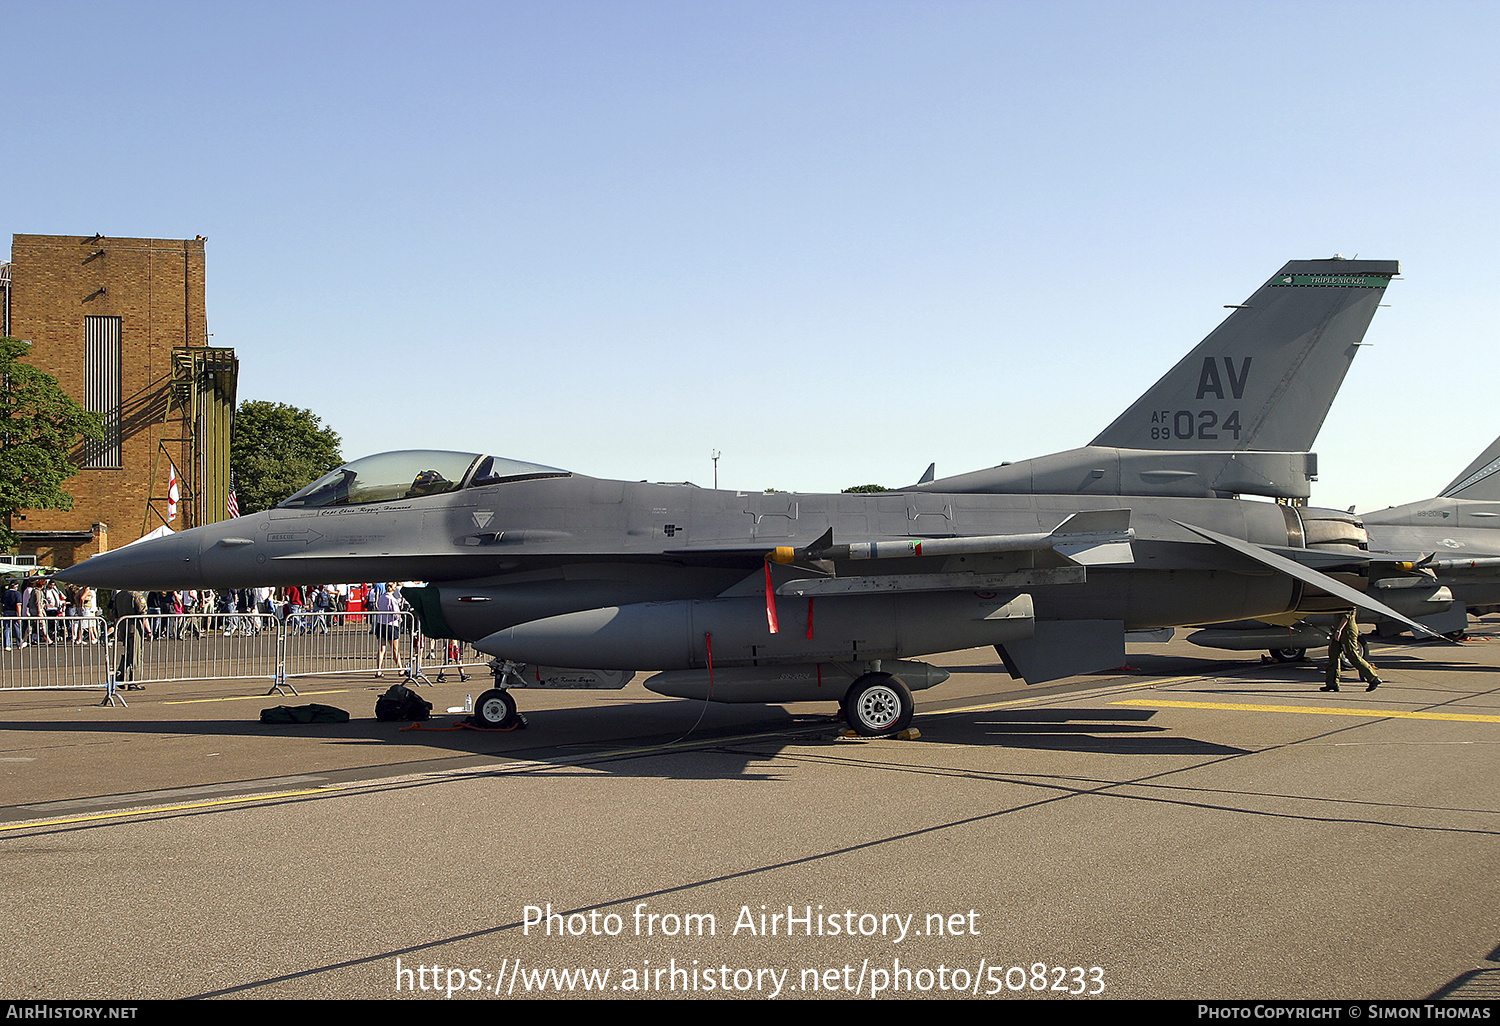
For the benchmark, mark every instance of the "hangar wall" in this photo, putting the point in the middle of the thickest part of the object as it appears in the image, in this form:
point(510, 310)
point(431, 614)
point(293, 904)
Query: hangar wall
point(122, 324)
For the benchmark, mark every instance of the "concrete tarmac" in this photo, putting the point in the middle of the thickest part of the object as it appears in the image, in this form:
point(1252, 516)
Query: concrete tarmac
point(1197, 826)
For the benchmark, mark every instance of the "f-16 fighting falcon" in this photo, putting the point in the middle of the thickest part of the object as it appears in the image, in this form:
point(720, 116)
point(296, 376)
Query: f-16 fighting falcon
point(732, 596)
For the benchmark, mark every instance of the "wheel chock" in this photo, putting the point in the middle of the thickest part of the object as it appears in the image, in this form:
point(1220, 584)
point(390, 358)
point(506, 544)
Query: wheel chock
point(909, 734)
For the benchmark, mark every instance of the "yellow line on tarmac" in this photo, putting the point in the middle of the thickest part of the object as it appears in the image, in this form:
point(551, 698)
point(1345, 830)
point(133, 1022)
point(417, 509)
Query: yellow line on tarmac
point(253, 698)
point(156, 809)
point(986, 707)
point(1376, 714)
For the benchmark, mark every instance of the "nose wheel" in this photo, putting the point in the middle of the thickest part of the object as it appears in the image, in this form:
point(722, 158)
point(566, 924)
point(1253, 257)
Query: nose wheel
point(496, 710)
point(878, 704)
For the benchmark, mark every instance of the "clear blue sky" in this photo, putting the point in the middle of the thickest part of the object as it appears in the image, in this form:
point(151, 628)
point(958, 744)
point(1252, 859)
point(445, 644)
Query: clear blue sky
point(833, 240)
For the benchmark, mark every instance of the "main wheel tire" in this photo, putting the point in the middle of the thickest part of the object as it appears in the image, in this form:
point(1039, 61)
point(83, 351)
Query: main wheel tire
point(878, 704)
point(1288, 655)
point(495, 710)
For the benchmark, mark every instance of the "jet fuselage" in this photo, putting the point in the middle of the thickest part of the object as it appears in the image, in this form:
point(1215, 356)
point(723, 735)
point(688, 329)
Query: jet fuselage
point(512, 552)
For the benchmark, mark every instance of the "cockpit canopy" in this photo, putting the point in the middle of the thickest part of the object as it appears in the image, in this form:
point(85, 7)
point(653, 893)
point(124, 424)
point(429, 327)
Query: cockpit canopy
point(410, 474)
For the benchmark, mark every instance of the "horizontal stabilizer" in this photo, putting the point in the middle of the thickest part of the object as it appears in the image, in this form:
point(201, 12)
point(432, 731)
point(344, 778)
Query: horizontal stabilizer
point(1322, 559)
point(1307, 575)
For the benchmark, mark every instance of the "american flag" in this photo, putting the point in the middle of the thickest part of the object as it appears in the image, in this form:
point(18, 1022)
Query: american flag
point(232, 504)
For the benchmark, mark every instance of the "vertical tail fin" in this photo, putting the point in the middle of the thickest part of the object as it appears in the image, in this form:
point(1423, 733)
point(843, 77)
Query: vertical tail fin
point(1265, 378)
point(1480, 479)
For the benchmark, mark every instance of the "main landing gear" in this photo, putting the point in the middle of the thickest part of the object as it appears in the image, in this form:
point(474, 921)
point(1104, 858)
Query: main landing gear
point(1364, 652)
point(878, 704)
point(1296, 655)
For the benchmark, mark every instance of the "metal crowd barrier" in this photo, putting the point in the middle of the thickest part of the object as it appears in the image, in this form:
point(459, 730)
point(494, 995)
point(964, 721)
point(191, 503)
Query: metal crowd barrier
point(53, 652)
point(439, 659)
point(318, 644)
point(151, 649)
point(146, 648)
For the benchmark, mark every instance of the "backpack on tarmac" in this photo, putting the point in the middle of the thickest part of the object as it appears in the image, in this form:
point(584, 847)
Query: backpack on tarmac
point(402, 703)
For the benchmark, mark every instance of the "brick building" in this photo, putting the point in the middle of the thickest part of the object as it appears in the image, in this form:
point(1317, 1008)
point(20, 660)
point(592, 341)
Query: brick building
point(122, 325)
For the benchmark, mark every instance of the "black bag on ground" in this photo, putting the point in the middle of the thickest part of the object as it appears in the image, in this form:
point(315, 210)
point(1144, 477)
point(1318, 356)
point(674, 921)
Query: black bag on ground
point(304, 714)
point(402, 703)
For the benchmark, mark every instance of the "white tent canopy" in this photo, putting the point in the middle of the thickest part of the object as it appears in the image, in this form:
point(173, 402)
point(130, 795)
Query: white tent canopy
point(160, 532)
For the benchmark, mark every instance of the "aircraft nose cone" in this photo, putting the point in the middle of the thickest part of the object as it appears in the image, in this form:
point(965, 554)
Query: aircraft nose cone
point(157, 565)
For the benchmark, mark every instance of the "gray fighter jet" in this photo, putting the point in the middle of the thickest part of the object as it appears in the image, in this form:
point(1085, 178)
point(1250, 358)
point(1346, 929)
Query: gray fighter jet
point(572, 581)
point(1456, 535)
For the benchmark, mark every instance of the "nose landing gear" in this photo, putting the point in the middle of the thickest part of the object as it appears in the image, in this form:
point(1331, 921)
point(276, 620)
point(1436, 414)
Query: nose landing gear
point(496, 710)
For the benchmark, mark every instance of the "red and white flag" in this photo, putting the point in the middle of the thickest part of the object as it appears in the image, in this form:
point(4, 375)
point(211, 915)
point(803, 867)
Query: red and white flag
point(173, 494)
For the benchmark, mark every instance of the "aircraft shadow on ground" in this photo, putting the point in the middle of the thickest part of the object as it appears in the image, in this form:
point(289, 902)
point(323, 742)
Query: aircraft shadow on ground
point(1103, 731)
point(663, 739)
point(1135, 664)
point(1386, 663)
point(602, 737)
point(653, 738)
point(1415, 662)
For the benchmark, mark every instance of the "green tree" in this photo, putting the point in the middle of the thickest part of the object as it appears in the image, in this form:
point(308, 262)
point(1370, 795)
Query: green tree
point(276, 449)
point(40, 428)
point(867, 488)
